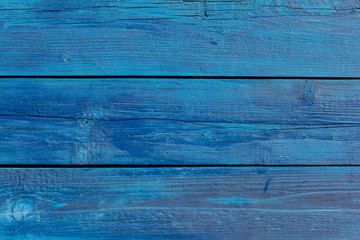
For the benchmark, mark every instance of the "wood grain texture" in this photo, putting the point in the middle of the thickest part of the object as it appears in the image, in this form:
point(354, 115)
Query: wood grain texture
point(178, 121)
point(174, 37)
point(180, 203)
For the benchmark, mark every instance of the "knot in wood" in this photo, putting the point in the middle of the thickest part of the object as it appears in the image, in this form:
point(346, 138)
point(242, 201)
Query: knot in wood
point(21, 209)
point(87, 121)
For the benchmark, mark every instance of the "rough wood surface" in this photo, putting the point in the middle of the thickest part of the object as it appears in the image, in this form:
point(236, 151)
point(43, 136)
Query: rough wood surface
point(179, 203)
point(164, 122)
point(174, 37)
point(178, 121)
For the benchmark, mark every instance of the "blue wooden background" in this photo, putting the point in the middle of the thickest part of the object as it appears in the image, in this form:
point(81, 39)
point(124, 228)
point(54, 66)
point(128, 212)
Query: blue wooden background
point(175, 119)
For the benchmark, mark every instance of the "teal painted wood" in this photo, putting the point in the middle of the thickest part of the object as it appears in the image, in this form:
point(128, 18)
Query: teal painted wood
point(201, 37)
point(180, 203)
point(178, 121)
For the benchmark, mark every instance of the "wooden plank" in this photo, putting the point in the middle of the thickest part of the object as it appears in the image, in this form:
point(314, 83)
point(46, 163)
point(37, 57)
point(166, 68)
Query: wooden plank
point(178, 203)
point(178, 121)
point(200, 37)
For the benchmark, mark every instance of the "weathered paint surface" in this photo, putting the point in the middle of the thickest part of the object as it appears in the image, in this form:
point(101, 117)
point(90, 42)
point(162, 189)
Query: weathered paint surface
point(180, 203)
point(200, 37)
point(185, 121)
point(179, 121)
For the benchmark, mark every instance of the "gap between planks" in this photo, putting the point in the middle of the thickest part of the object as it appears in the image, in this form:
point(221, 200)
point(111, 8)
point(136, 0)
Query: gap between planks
point(5, 166)
point(181, 77)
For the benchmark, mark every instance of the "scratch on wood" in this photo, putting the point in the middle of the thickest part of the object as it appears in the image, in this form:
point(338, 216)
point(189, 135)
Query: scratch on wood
point(205, 9)
point(267, 185)
point(309, 95)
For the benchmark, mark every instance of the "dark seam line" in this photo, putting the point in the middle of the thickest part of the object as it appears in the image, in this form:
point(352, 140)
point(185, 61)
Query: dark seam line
point(167, 166)
point(181, 77)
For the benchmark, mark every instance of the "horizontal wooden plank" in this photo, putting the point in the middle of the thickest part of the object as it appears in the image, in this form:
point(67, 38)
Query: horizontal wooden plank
point(178, 121)
point(200, 37)
point(178, 203)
